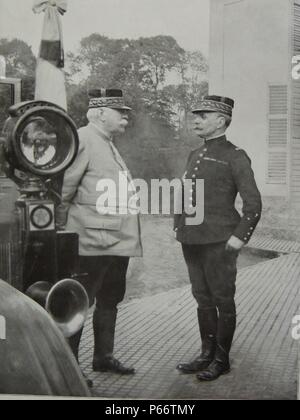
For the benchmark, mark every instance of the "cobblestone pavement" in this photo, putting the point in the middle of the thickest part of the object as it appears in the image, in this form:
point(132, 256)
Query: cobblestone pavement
point(155, 333)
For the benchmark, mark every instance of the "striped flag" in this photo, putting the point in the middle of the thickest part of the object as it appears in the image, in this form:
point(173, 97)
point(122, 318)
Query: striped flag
point(50, 77)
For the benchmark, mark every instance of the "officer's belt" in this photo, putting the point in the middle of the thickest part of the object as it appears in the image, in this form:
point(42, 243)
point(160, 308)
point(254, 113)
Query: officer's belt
point(91, 200)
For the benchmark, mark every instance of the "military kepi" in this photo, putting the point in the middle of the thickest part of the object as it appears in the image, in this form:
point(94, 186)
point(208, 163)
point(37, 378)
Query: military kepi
point(215, 103)
point(107, 98)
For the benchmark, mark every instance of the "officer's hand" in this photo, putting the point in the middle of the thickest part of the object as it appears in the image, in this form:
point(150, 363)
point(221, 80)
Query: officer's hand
point(2, 145)
point(61, 217)
point(234, 244)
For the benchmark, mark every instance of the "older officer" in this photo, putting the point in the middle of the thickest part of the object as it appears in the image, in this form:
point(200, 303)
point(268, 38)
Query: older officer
point(108, 237)
point(211, 248)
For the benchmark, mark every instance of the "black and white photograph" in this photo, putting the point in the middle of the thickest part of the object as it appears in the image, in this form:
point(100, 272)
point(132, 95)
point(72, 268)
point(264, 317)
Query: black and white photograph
point(150, 202)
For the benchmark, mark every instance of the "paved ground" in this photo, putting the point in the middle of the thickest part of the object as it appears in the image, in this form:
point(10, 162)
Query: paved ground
point(157, 332)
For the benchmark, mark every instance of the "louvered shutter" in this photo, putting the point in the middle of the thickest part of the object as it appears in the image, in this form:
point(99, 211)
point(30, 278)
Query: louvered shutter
point(278, 134)
point(295, 140)
point(296, 37)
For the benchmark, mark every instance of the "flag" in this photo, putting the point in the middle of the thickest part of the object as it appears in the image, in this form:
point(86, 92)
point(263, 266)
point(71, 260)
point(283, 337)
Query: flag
point(50, 77)
point(2, 67)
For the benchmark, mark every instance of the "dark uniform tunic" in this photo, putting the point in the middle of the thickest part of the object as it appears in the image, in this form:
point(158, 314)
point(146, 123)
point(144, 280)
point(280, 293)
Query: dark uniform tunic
point(226, 171)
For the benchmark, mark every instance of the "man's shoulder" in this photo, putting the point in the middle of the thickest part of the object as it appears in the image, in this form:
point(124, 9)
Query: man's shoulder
point(88, 136)
point(198, 150)
point(85, 132)
point(235, 152)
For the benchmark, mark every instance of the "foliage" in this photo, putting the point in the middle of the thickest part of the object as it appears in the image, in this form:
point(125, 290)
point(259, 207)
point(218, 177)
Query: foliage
point(20, 63)
point(143, 68)
point(161, 82)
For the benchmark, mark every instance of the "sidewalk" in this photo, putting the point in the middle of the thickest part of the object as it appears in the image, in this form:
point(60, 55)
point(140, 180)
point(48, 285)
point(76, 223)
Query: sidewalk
point(155, 333)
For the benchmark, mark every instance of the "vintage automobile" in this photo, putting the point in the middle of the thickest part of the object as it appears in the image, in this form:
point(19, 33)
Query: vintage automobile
point(41, 302)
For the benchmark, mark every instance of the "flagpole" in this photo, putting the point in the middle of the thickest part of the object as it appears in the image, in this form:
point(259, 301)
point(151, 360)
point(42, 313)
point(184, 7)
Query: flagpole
point(50, 76)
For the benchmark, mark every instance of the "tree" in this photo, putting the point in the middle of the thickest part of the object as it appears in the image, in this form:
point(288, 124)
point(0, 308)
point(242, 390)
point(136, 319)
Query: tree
point(143, 68)
point(20, 63)
point(159, 55)
point(140, 67)
point(78, 103)
point(193, 85)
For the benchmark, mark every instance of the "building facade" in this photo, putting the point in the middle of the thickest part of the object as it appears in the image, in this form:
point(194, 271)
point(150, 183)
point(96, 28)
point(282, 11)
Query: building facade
point(252, 44)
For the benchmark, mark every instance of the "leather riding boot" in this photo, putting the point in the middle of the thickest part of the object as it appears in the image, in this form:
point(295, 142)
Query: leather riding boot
point(104, 334)
point(208, 321)
point(104, 323)
point(74, 343)
point(221, 364)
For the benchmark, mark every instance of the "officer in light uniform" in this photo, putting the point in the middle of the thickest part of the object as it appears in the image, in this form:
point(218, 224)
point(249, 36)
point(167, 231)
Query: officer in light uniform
point(108, 237)
point(211, 248)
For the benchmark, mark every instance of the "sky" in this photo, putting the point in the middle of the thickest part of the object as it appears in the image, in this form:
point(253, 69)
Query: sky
point(186, 20)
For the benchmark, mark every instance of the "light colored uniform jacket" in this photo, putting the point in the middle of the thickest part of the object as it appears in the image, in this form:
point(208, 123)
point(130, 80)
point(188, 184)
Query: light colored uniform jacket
point(99, 233)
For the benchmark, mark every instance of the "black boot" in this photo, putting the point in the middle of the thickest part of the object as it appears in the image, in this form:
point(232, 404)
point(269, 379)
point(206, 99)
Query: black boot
point(104, 333)
point(208, 321)
point(221, 364)
point(74, 343)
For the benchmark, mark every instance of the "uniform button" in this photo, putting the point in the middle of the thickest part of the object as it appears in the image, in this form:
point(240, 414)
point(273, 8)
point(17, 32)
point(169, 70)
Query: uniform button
point(248, 218)
point(196, 169)
point(191, 191)
point(191, 206)
point(245, 239)
point(191, 198)
point(194, 176)
point(205, 150)
point(251, 228)
point(201, 155)
point(198, 161)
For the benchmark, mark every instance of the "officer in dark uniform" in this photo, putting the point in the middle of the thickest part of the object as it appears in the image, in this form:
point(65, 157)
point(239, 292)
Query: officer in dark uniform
point(211, 248)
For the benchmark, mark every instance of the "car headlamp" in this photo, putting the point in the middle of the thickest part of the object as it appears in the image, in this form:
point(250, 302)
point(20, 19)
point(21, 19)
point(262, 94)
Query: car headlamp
point(41, 139)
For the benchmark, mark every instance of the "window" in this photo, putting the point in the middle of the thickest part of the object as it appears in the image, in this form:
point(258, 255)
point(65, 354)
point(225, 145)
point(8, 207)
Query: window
point(277, 134)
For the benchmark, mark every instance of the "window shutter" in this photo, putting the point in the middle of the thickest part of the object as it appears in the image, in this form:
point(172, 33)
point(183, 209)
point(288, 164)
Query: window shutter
point(296, 37)
point(278, 134)
point(295, 117)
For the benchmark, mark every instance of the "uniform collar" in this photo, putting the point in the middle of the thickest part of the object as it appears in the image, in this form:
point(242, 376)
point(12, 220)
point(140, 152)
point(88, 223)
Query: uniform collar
point(102, 133)
point(214, 140)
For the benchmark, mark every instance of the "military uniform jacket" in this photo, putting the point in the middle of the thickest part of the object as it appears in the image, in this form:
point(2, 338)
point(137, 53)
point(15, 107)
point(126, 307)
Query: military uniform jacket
point(116, 233)
point(226, 171)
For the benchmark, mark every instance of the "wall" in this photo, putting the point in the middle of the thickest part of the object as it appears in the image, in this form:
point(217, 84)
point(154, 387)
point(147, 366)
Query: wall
point(250, 49)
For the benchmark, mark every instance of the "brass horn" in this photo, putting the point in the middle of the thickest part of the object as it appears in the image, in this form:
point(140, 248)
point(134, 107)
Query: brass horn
point(66, 301)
